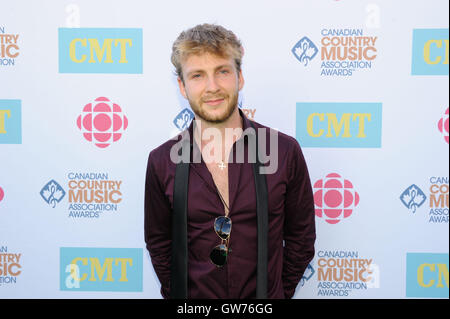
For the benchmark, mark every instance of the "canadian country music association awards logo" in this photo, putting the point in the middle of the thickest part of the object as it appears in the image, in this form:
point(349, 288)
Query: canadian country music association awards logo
point(102, 122)
point(9, 48)
point(183, 119)
point(52, 193)
point(443, 125)
point(341, 273)
point(413, 197)
point(437, 201)
point(10, 266)
point(305, 50)
point(89, 195)
point(307, 275)
point(334, 198)
point(342, 51)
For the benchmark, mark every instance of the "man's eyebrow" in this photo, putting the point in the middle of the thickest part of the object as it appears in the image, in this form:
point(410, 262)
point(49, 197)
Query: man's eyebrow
point(194, 71)
point(223, 66)
point(215, 69)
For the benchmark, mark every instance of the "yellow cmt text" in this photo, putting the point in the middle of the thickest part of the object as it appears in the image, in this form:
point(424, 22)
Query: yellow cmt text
point(429, 46)
point(336, 127)
point(3, 115)
point(442, 272)
point(102, 272)
point(96, 53)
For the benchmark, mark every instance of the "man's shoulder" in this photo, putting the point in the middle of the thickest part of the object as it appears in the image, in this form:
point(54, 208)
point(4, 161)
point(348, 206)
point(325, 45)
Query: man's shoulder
point(161, 154)
point(285, 141)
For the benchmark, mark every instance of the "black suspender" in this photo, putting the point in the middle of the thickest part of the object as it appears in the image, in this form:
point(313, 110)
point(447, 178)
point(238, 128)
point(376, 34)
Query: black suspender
point(179, 265)
point(262, 210)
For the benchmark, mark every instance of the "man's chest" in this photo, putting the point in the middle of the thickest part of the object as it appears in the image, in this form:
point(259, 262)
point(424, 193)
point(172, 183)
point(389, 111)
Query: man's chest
point(237, 187)
point(220, 177)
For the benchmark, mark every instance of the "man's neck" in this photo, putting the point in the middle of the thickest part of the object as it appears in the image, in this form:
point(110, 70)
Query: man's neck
point(223, 134)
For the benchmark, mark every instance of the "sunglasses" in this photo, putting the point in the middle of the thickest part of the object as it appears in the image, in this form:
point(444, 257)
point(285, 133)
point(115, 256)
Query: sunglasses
point(222, 227)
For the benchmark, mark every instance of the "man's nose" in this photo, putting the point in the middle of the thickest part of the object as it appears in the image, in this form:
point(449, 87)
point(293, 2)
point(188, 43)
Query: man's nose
point(211, 85)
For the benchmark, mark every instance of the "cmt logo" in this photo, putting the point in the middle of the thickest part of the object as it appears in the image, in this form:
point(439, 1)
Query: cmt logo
point(101, 269)
point(427, 275)
point(355, 125)
point(430, 52)
point(443, 126)
point(10, 122)
point(98, 50)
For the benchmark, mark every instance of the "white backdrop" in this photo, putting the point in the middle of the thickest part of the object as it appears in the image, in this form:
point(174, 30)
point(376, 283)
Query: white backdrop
point(399, 252)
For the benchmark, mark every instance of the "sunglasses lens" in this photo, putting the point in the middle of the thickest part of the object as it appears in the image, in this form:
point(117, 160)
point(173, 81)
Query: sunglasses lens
point(219, 255)
point(222, 226)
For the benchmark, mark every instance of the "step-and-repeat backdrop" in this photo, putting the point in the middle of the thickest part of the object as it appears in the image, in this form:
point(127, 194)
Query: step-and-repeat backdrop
point(87, 90)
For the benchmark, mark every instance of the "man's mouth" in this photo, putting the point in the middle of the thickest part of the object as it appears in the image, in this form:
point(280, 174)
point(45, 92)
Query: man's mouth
point(214, 101)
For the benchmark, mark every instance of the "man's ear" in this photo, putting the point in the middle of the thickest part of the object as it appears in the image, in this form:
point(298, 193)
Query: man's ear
point(182, 88)
point(241, 80)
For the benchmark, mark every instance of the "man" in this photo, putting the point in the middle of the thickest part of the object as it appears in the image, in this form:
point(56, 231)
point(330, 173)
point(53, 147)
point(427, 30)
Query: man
point(222, 228)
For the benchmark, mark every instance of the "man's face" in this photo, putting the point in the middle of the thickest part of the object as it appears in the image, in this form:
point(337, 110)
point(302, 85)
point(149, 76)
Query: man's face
point(211, 85)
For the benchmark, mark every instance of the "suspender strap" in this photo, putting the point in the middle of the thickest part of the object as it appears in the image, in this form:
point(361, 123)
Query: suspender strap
point(262, 220)
point(179, 264)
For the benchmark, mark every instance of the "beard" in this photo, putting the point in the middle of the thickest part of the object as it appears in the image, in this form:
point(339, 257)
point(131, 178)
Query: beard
point(202, 110)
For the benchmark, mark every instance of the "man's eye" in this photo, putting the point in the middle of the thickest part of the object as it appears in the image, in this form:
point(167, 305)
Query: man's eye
point(196, 76)
point(224, 71)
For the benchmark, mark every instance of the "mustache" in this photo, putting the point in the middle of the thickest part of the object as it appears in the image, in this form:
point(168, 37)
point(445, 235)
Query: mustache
point(213, 97)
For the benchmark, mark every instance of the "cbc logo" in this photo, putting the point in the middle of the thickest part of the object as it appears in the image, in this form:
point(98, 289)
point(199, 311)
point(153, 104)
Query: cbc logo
point(334, 198)
point(102, 122)
point(443, 125)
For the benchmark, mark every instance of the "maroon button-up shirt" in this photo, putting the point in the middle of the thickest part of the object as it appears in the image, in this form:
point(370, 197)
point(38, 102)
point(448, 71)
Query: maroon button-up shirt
point(291, 233)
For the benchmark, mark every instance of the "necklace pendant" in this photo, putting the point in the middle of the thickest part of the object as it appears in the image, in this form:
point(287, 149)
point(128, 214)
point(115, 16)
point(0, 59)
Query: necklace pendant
point(222, 165)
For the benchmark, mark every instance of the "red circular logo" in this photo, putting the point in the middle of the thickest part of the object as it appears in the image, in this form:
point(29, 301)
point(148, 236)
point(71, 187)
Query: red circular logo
point(2, 194)
point(102, 122)
point(334, 198)
point(443, 125)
